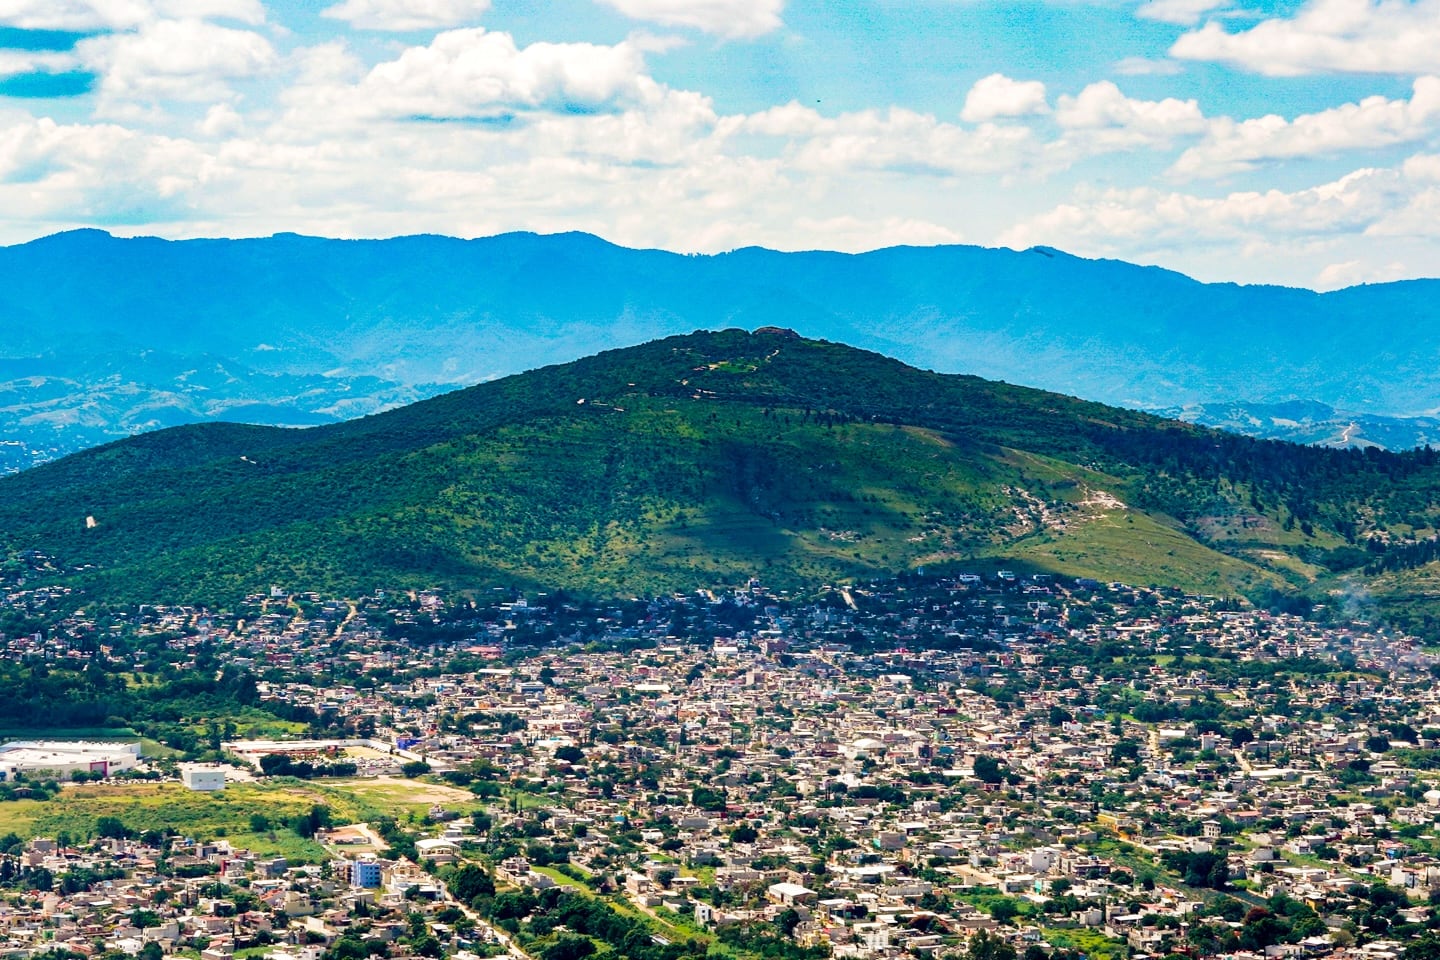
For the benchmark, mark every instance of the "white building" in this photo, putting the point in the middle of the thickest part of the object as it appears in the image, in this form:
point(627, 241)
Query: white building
point(203, 776)
point(62, 759)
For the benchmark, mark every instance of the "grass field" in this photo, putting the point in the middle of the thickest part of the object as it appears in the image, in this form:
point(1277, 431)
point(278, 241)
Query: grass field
point(393, 797)
point(1091, 943)
point(561, 879)
point(208, 816)
point(1137, 548)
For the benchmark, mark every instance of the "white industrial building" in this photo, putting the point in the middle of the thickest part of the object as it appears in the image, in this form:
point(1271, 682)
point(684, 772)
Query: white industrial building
point(62, 759)
point(203, 776)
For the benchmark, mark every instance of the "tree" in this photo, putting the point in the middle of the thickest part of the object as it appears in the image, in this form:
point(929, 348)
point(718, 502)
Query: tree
point(470, 882)
point(347, 948)
point(275, 764)
point(145, 919)
point(427, 946)
point(568, 947)
point(112, 828)
point(415, 768)
point(986, 946)
point(309, 824)
point(1124, 751)
point(988, 769)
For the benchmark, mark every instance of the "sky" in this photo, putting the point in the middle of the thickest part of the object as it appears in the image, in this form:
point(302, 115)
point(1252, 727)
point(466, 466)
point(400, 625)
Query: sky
point(1283, 141)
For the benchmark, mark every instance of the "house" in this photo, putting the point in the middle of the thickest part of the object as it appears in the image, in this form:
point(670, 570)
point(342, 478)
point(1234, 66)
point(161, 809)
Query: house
point(437, 849)
point(789, 894)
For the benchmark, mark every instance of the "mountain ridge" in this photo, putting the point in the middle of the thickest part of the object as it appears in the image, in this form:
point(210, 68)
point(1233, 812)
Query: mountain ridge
point(422, 313)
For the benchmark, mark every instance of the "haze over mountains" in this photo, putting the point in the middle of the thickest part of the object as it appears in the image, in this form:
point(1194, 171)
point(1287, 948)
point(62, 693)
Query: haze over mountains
point(106, 337)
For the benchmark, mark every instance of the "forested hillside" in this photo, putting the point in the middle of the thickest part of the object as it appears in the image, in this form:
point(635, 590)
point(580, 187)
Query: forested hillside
point(706, 459)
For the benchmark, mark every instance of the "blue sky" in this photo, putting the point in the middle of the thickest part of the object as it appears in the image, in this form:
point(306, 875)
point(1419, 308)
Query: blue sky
point(1294, 142)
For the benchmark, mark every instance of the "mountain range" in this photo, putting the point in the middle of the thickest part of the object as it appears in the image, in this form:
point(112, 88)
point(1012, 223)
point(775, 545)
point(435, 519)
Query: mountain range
point(106, 337)
point(705, 459)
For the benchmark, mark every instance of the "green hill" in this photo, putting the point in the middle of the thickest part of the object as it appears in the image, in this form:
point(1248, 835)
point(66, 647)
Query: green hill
point(706, 459)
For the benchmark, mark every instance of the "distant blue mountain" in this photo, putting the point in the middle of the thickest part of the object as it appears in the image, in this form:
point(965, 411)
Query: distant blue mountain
point(107, 336)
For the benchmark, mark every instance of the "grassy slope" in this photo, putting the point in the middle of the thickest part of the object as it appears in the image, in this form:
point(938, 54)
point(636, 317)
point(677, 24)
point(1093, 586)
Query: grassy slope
point(699, 460)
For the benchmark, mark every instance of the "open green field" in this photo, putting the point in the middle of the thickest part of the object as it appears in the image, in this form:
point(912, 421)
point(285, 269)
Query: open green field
point(227, 813)
point(1092, 943)
point(371, 798)
point(1136, 547)
point(561, 879)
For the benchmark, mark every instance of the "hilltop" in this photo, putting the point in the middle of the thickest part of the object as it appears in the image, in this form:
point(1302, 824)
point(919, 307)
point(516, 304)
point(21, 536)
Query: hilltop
point(108, 336)
point(703, 460)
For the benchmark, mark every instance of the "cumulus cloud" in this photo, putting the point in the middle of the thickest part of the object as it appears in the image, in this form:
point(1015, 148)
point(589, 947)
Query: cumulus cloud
point(16, 62)
point(1183, 12)
point(94, 172)
point(1327, 36)
point(1145, 222)
point(727, 18)
point(470, 132)
point(174, 59)
point(406, 15)
point(1101, 119)
point(892, 140)
point(83, 15)
point(477, 74)
point(999, 96)
point(1372, 123)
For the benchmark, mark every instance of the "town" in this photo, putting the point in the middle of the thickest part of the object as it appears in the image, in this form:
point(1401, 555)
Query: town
point(978, 765)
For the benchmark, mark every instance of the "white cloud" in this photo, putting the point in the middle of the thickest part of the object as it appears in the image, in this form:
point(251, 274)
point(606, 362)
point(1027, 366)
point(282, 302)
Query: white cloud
point(79, 173)
point(120, 14)
point(406, 15)
point(998, 96)
point(1145, 223)
point(221, 120)
point(174, 60)
point(727, 18)
point(1145, 67)
point(1102, 105)
point(1327, 36)
point(1422, 167)
point(1352, 272)
point(892, 140)
point(471, 133)
point(1101, 119)
point(1183, 12)
point(856, 233)
point(1372, 123)
point(477, 74)
point(245, 11)
point(74, 14)
point(16, 62)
